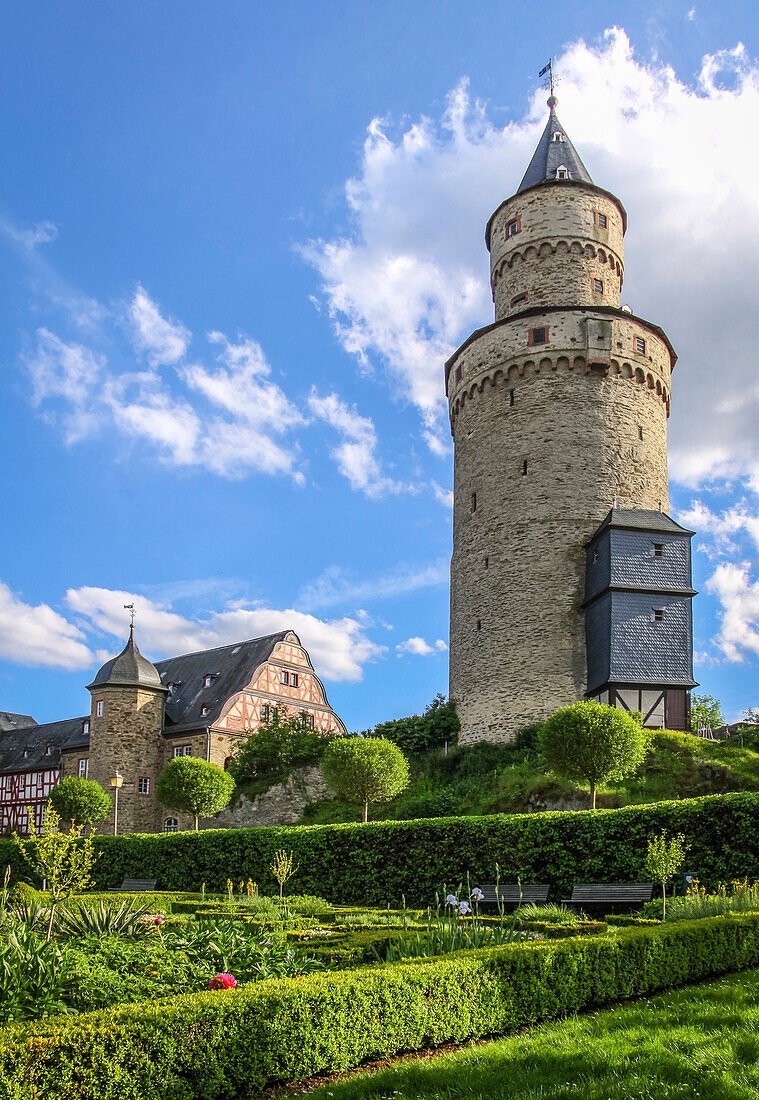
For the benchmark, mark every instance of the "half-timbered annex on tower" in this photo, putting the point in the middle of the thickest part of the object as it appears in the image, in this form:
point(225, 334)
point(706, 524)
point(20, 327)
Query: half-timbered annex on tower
point(142, 715)
point(568, 578)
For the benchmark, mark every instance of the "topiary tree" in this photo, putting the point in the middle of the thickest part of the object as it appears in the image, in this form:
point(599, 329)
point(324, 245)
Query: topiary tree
point(80, 801)
point(664, 859)
point(593, 742)
point(365, 769)
point(193, 786)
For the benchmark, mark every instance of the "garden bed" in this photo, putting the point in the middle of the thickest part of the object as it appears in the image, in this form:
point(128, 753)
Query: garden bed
point(221, 1044)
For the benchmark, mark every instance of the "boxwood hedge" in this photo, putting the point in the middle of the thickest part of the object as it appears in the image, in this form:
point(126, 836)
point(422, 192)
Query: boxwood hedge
point(379, 862)
point(209, 1046)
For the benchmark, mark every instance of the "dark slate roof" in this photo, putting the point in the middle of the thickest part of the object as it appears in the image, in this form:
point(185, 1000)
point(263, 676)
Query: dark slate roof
point(130, 669)
point(10, 721)
point(231, 666)
point(641, 519)
point(26, 750)
point(551, 154)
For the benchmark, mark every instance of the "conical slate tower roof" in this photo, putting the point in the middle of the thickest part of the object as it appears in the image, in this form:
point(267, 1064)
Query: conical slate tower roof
point(554, 155)
point(129, 669)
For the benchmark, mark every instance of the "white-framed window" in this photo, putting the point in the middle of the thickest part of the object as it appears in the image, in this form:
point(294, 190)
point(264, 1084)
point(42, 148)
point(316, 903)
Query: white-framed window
point(562, 172)
point(293, 679)
point(640, 345)
point(98, 708)
point(512, 228)
point(207, 680)
point(182, 750)
point(203, 711)
point(84, 767)
point(284, 677)
point(265, 712)
point(309, 721)
point(170, 825)
point(143, 784)
point(86, 727)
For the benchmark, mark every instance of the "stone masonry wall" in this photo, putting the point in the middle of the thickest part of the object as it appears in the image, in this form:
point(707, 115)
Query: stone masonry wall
point(128, 737)
point(282, 804)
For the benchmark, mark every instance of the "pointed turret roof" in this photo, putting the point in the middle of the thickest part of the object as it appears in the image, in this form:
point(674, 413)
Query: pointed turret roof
point(554, 154)
point(129, 669)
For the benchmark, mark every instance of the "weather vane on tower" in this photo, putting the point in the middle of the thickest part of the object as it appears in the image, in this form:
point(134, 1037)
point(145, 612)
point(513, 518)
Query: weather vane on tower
point(550, 81)
point(130, 608)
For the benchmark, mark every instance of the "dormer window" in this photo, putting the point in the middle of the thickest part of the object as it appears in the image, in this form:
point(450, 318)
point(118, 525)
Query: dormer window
point(86, 727)
point(48, 750)
point(562, 172)
point(208, 680)
point(171, 688)
point(558, 136)
point(203, 712)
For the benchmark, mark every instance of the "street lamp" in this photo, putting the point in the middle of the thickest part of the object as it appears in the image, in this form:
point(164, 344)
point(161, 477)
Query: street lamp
point(116, 781)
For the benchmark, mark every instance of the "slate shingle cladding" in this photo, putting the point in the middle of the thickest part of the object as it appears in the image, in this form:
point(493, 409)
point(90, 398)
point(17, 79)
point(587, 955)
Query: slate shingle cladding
point(638, 563)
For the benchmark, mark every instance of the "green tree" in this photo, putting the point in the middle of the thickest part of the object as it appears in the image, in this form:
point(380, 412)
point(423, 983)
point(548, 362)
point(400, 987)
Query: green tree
point(277, 748)
point(63, 861)
point(664, 859)
point(592, 742)
point(193, 786)
point(80, 800)
point(705, 709)
point(421, 733)
point(365, 769)
point(750, 716)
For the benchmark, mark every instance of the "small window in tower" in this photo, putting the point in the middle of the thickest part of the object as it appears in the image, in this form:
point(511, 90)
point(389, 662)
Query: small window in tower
point(458, 374)
point(284, 677)
point(595, 554)
point(658, 549)
point(293, 679)
point(512, 228)
point(170, 825)
point(562, 173)
point(99, 708)
point(658, 614)
point(474, 502)
point(598, 286)
point(524, 467)
point(511, 398)
point(519, 298)
point(640, 433)
point(143, 784)
point(558, 136)
point(601, 220)
point(203, 711)
point(640, 345)
point(538, 335)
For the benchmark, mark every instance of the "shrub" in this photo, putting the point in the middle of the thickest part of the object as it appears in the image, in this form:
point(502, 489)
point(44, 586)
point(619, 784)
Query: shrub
point(376, 864)
point(220, 1045)
point(552, 913)
point(276, 749)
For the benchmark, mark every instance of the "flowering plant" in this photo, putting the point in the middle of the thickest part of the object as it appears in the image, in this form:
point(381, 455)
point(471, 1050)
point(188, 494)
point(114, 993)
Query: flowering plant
point(223, 981)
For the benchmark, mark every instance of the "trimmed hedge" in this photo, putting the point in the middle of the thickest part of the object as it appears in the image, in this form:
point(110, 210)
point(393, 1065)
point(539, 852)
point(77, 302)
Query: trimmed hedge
point(378, 862)
point(212, 1046)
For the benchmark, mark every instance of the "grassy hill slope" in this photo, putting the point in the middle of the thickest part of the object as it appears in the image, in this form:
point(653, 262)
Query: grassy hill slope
point(485, 779)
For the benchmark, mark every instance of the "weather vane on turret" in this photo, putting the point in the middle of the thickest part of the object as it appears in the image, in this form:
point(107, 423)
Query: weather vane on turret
point(549, 82)
point(130, 608)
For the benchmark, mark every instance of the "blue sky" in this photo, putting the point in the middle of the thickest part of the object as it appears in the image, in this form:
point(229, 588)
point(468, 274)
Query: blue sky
point(237, 242)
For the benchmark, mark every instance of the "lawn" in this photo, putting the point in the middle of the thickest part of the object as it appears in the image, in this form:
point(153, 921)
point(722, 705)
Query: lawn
point(702, 1041)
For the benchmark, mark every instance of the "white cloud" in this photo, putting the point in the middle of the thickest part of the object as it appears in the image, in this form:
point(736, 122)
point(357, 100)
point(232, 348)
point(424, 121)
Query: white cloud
point(38, 635)
point(720, 529)
point(37, 233)
point(418, 647)
point(356, 454)
point(409, 280)
point(70, 372)
point(444, 496)
point(164, 342)
point(337, 586)
point(339, 648)
point(738, 635)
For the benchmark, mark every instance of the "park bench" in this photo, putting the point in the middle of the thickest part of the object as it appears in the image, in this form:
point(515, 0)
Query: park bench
point(138, 885)
point(611, 895)
point(513, 894)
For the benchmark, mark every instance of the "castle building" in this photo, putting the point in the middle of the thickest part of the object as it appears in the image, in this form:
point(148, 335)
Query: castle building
point(142, 715)
point(568, 578)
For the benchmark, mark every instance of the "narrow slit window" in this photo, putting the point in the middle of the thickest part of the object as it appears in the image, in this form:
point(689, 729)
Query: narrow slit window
point(595, 555)
point(511, 397)
point(487, 562)
point(479, 624)
point(640, 433)
point(524, 467)
point(519, 298)
point(458, 374)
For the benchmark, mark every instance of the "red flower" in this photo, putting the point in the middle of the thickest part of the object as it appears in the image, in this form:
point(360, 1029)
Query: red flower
point(222, 981)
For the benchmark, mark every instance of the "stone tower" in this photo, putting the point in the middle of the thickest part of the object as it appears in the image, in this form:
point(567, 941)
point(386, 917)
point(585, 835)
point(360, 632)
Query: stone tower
point(126, 720)
point(558, 413)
